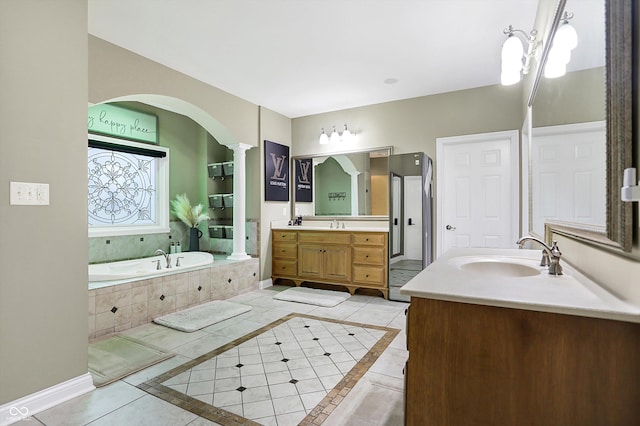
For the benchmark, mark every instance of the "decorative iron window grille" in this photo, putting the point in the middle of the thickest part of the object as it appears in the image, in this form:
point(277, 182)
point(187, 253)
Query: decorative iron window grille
point(127, 188)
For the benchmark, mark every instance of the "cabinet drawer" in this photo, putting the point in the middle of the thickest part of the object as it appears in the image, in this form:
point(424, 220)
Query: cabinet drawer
point(369, 275)
point(285, 250)
point(325, 237)
point(285, 236)
point(284, 267)
point(369, 255)
point(368, 239)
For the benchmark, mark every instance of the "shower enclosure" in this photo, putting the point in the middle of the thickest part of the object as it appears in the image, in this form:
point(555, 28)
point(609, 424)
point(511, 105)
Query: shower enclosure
point(410, 219)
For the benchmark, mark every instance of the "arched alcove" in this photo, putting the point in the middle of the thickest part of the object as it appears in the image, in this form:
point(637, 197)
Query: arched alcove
point(179, 106)
point(223, 136)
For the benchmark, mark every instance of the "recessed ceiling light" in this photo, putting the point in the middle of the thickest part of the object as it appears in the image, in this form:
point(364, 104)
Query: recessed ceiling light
point(391, 81)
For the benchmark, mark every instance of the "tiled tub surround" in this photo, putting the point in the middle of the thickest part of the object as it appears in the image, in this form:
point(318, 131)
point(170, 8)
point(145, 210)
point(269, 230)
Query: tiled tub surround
point(110, 249)
point(116, 308)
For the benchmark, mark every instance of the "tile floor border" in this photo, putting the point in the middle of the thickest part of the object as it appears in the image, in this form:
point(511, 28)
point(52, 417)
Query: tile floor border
point(316, 416)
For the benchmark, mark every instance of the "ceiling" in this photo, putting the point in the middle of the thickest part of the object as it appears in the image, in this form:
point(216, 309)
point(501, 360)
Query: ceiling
point(303, 57)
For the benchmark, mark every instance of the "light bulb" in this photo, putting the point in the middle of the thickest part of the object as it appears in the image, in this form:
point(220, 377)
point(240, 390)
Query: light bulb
point(335, 137)
point(324, 139)
point(346, 135)
point(512, 49)
point(566, 37)
point(509, 77)
point(559, 55)
point(554, 69)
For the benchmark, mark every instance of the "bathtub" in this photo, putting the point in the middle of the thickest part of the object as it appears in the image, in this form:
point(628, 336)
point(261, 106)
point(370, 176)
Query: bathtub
point(104, 274)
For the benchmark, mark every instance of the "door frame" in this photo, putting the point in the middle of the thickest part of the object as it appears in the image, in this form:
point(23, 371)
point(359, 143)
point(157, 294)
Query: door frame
point(513, 136)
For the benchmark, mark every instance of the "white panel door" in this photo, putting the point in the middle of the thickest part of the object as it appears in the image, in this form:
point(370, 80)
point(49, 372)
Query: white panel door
point(477, 191)
point(413, 217)
point(568, 181)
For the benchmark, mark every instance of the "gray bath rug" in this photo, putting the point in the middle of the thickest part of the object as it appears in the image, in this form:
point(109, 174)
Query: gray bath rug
point(119, 356)
point(313, 296)
point(201, 316)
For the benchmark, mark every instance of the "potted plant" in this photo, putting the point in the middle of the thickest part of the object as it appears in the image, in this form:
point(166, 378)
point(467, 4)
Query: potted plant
point(190, 216)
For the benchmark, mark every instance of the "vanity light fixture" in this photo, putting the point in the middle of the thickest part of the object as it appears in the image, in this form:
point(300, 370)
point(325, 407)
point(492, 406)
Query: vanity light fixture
point(335, 137)
point(564, 41)
point(346, 136)
point(324, 139)
point(515, 61)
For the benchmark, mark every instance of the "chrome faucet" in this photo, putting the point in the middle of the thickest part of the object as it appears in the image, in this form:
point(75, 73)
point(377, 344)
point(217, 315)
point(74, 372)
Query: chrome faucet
point(167, 257)
point(550, 255)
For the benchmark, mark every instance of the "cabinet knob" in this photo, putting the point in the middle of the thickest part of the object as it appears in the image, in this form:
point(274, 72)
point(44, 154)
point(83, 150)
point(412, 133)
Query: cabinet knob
point(367, 256)
point(367, 239)
point(367, 276)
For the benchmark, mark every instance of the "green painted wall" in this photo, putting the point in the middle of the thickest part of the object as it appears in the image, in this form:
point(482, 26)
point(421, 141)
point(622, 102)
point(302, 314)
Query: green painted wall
point(329, 177)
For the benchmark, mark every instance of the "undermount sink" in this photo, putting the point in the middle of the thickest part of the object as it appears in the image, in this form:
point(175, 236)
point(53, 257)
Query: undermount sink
point(498, 266)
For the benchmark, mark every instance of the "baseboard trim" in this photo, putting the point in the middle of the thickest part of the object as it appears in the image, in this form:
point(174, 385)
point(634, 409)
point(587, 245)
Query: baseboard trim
point(29, 405)
point(266, 283)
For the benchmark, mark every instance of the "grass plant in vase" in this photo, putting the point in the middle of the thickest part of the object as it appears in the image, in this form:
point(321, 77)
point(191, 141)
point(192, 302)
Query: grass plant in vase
point(191, 216)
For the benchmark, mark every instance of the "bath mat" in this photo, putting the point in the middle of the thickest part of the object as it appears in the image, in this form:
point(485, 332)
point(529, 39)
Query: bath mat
point(201, 316)
point(119, 356)
point(313, 296)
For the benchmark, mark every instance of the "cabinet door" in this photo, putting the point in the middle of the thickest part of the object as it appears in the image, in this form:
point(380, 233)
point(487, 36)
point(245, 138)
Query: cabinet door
point(337, 263)
point(310, 260)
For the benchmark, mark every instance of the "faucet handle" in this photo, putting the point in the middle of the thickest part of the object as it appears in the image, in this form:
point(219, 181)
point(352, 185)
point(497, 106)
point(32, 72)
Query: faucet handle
point(178, 260)
point(545, 259)
point(555, 250)
point(158, 267)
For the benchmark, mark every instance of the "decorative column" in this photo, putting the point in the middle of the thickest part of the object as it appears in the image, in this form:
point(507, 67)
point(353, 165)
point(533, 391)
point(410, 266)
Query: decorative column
point(239, 202)
point(354, 193)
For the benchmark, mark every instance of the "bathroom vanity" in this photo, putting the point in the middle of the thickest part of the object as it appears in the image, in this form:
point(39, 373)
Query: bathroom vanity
point(352, 258)
point(494, 339)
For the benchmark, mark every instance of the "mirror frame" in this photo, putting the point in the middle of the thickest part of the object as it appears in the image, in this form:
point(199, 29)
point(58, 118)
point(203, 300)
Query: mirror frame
point(619, 116)
point(388, 148)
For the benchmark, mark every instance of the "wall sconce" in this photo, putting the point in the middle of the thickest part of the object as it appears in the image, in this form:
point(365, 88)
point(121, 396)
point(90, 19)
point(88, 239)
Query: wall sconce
point(513, 55)
point(346, 136)
point(564, 41)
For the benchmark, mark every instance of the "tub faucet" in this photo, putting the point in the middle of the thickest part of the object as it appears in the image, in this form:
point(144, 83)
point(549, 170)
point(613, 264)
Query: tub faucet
point(550, 255)
point(167, 257)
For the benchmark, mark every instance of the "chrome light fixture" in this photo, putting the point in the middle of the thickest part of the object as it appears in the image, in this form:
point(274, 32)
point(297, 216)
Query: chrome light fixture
point(346, 136)
point(335, 137)
point(564, 41)
point(515, 61)
point(324, 139)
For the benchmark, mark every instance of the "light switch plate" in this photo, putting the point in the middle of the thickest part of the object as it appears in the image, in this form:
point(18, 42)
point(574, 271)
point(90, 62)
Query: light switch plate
point(29, 194)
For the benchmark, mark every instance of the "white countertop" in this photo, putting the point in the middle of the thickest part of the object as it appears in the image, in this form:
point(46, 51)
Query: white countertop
point(571, 293)
point(349, 228)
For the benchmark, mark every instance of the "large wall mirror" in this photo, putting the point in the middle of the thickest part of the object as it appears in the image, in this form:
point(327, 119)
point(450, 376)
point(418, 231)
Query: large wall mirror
point(581, 136)
point(343, 184)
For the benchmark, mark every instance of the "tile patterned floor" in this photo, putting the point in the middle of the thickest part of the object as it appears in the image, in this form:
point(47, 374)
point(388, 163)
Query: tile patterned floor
point(293, 371)
point(399, 274)
point(375, 396)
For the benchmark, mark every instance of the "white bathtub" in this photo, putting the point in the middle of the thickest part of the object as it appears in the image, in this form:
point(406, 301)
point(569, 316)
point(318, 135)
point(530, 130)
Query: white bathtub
point(103, 274)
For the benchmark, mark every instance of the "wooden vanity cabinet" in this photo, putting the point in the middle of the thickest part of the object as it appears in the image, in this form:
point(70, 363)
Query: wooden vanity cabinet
point(284, 253)
point(350, 259)
point(482, 365)
point(370, 266)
